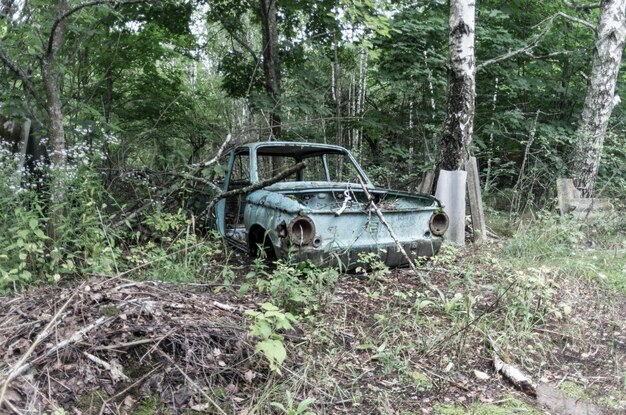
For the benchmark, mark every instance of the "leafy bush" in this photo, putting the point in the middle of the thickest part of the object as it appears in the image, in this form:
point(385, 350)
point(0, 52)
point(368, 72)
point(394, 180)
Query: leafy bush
point(294, 286)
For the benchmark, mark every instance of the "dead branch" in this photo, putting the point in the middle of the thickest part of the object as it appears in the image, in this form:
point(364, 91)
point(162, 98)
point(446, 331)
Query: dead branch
point(19, 366)
point(384, 222)
point(217, 156)
point(258, 185)
point(173, 186)
point(511, 373)
point(115, 372)
point(581, 6)
point(577, 20)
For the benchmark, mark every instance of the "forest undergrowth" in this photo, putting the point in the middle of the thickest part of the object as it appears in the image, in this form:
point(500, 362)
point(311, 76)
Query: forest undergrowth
point(193, 327)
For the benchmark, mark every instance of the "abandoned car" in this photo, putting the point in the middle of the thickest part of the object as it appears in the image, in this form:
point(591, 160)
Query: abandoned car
point(320, 210)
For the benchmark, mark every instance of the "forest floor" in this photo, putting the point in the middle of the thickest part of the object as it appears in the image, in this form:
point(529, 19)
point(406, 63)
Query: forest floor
point(548, 299)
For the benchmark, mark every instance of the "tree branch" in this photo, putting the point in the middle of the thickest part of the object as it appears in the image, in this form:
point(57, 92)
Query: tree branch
point(78, 8)
point(243, 44)
point(527, 49)
point(12, 66)
point(264, 183)
point(576, 20)
point(581, 6)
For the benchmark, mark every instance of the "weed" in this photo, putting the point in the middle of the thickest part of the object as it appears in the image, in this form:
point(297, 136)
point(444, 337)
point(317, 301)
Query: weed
point(509, 407)
point(291, 409)
point(294, 286)
point(371, 262)
point(265, 326)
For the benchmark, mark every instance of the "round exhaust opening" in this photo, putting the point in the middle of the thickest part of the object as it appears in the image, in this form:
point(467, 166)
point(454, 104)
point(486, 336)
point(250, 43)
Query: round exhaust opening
point(438, 223)
point(301, 231)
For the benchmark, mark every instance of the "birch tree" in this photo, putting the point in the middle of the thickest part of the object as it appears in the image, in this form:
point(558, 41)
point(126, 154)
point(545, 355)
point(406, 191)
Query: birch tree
point(459, 123)
point(600, 97)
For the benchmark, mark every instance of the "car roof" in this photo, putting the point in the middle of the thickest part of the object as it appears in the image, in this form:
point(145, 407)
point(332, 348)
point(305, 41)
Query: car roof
point(291, 148)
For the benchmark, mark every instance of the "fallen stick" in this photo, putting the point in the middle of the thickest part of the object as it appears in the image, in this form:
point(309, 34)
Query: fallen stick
point(194, 384)
point(115, 372)
point(384, 222)
point(18, 370)
point(19, 366)
point(511, 373)
point(258, 185)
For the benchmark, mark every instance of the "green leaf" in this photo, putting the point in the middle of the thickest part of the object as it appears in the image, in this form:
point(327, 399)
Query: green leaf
point(261, 329)
point(304, 405)
point(269, 307)
point(274, 351)
point(33, 223)
point(279, 406)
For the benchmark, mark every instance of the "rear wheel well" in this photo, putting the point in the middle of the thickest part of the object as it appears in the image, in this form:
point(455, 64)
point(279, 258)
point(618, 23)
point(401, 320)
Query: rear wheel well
point(259, 243)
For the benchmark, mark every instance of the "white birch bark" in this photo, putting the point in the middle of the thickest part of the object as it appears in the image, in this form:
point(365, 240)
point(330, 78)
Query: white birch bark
point(459, 124)
point(600, 98)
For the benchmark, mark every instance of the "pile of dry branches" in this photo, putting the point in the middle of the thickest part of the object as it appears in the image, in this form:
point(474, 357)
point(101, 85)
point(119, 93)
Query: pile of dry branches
point(106, 344)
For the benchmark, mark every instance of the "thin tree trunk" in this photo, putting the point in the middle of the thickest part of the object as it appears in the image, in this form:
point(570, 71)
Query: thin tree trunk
point(271, 63)
point(459, 124)
point(600, 98)
point(56, 132)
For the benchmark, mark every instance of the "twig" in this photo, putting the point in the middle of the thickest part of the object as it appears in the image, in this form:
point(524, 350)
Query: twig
point(582, 6)
point(17, 371)
point(194, 384)
point(124, 345)
point(389, 228)
point(115, 372)
point(117, 395)
point(225, 307)
point(533, 43)
point(19, 367)
point(258, 185)
point(493, 307)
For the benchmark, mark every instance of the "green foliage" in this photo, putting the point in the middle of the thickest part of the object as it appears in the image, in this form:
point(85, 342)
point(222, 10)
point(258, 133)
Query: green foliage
point(291, 409)
point(265, 326)
point(294, 286)
point(549, 236)
point(83, 243)
point(371, 262)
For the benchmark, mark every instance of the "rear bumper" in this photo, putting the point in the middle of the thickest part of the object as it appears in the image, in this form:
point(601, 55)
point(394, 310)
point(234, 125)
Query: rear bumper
point(348, 258)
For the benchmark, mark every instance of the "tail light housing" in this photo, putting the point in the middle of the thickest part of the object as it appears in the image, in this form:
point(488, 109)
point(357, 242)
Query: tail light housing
point(301, 231)
point(438, 223)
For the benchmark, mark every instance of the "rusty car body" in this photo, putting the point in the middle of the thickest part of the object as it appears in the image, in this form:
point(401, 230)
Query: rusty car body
point(321, 212)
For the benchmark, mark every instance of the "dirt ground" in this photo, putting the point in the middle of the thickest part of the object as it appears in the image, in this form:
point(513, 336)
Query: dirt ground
point(379, 343)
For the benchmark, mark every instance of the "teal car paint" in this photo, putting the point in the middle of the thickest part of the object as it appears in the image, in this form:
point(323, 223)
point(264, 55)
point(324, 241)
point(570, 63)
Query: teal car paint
point(321, 212)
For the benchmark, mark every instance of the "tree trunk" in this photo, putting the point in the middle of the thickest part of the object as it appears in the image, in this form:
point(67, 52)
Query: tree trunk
point(271, 63)
point(459, 124)
point(600, 98)
point(56, 132)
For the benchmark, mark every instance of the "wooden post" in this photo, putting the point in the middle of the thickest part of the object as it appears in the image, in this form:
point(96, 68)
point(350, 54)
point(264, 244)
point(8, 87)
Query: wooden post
point(426, 186)
point(476, 201)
